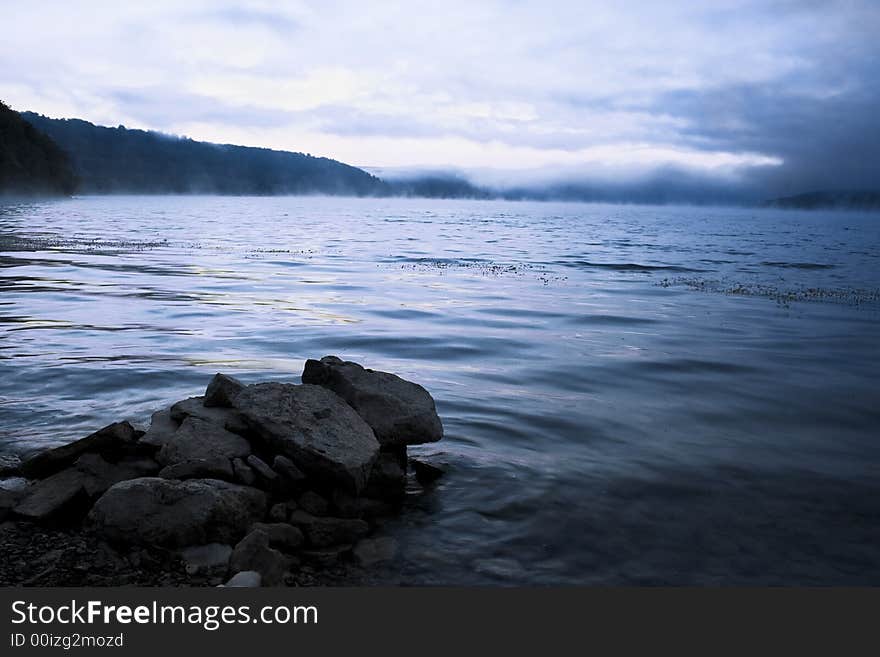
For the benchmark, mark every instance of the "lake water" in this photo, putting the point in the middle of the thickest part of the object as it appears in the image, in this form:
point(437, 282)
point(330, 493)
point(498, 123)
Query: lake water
point(631, 394)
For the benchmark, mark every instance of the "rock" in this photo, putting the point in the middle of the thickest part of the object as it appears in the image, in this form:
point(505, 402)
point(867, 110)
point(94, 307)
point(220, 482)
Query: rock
point(61, 494)
point(399, 411)
point(326, 557)
point(145, 466)
point(265, 475)
point(254, 553)
point(200, 439)
point(222, 390)
point(387, 478)
point(291, 476)
point(8, 501)
point(281, 535)
point(344, 504)
point(208, 558)
point(162, 428)
point(323, 532)
point(111, 441)
point(371, 509)
point(311, 502)
point(370, 551)
point(195, 407)
point(243, 473)
point(348, 506)
point(212, 468)
point(425, 472)
point(313, 427)
point(100, 475)
point(10, 465)
point(279, 512)
point(175, 513)
point(245, 579)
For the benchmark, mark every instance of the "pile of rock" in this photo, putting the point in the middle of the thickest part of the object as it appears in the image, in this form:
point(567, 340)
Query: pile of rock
point(247, 481)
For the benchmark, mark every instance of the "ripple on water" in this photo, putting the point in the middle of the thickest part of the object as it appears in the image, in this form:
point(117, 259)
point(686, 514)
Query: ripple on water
point(624, 402)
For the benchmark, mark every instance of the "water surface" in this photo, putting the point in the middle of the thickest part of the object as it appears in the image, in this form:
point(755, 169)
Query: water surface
point(631, 394)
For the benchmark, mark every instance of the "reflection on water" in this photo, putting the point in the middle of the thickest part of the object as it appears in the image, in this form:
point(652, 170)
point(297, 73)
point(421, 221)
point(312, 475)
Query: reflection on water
point(631, 394)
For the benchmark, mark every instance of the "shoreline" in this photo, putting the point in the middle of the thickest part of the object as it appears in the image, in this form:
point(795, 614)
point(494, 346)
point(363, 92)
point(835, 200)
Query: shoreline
point(268, 484)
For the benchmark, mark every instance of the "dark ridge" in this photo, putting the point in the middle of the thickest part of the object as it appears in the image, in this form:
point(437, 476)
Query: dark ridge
point(119, 160)
point(30, 162)
point(845, 200)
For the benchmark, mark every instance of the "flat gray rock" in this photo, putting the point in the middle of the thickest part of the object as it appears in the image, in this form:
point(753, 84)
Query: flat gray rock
point(400, 412)
point(54, 496)
point(312, 426)
point(200, 439)
point(174, 513)
point(115, 438)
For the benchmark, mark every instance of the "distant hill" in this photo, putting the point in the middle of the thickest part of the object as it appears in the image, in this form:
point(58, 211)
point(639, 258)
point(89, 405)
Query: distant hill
point(30, 162)
point(851, 200)
point(119, 160)
point(439, 185)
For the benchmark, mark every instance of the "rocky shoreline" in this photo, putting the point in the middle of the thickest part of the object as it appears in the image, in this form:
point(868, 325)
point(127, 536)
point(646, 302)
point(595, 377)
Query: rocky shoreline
point(266, 484)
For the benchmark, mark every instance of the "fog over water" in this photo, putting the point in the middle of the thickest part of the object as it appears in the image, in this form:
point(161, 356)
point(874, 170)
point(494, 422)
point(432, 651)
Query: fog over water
point(631, 394)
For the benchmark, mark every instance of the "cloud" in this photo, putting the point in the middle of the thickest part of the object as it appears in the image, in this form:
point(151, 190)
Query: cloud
point(771, 96)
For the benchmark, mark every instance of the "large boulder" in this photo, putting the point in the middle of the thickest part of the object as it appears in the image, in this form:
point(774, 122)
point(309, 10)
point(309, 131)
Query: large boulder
point(113, 441)
point(174, 513)
point(197, 438)
point(400, 412)
point(312, 426)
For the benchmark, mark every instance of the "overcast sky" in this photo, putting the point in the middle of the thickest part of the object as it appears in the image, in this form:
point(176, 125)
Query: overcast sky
point(785, 91)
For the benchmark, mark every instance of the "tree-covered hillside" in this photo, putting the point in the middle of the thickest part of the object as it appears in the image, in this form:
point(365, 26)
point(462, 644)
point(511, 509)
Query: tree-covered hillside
point(30, 162)
point(119, 160)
